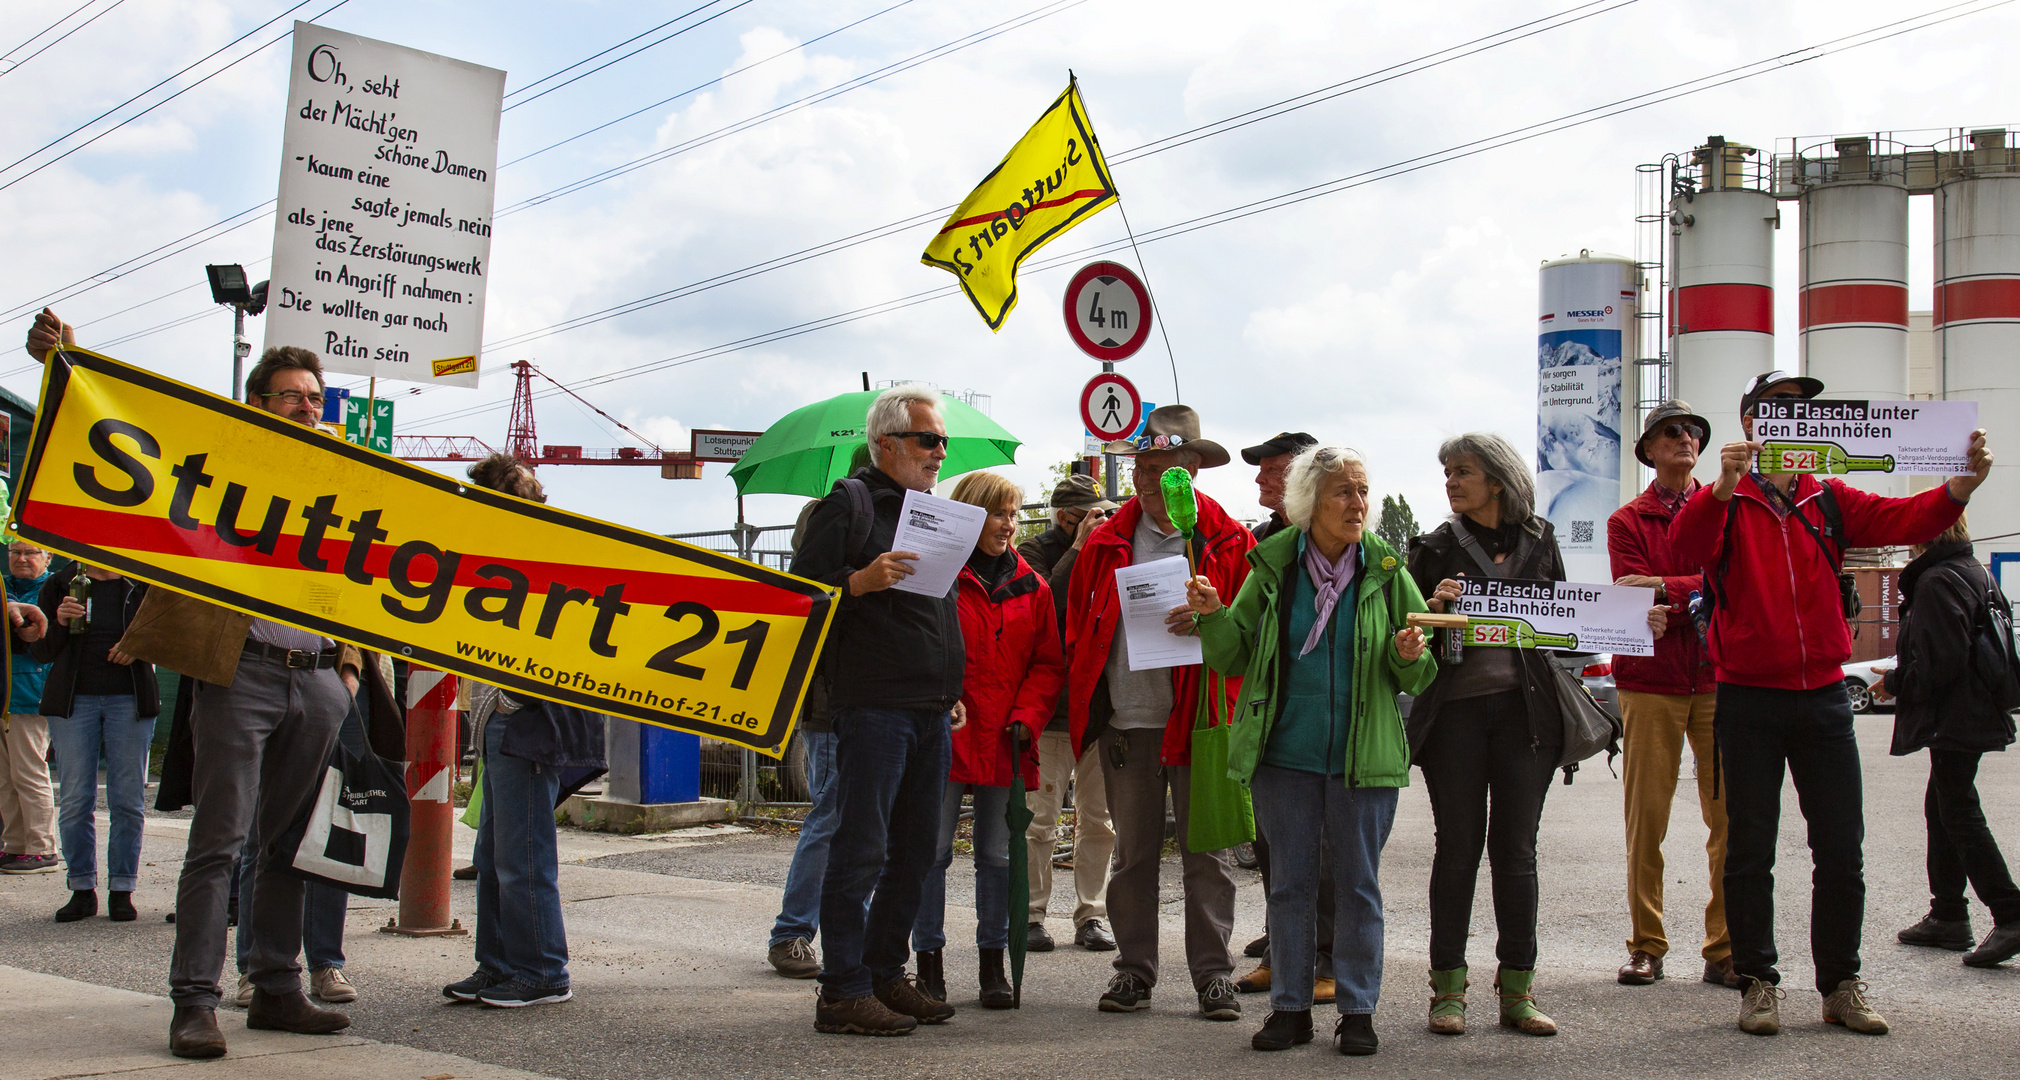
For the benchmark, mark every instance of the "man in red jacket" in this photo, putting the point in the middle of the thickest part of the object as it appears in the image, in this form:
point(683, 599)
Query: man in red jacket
point(1779, 641)
point(1665, 698)
point(1142, 720)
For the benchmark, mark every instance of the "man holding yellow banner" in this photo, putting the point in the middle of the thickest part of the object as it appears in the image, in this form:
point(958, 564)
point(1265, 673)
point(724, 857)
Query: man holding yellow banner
point(1052, 180)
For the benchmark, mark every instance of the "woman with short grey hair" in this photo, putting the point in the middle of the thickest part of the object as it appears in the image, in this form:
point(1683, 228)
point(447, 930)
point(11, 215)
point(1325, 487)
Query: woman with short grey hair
point(1489, 727)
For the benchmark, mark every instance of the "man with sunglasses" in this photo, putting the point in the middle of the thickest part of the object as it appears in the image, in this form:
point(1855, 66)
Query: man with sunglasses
point(1771, 546)
point(1666, 698)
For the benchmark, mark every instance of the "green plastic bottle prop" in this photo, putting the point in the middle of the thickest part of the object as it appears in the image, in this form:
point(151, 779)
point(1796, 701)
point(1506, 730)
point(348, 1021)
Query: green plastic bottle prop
point(1180, 504)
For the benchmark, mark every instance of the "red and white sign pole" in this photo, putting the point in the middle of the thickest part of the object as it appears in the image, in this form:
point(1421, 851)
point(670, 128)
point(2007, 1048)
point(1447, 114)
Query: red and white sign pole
point(431, 780)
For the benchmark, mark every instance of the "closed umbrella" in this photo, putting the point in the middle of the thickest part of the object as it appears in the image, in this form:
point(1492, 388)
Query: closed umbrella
point(807, 450)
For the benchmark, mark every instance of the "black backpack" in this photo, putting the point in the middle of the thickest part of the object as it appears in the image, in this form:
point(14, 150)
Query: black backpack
point(1834, 550)
point(1994, 660)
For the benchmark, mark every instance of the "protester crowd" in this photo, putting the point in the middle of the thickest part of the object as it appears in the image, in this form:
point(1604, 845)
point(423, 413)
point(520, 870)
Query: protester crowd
point(1016, 688)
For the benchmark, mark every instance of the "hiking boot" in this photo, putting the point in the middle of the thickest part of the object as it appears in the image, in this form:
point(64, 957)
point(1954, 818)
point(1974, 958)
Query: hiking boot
point(83, 905)
point(1720, 973)
point(1448, 1002)
point(1642, 969)
point(329, 984)
point(1760, 1008)
point(1038, 939)
point(119, 907)
point(1257, 949)
point(996, 991)
point(242, 997)
point(32, 864)
point(1094, 937)
point(1518, 1005)
point(1255, 982)
point(858, 1016)
point(1283, 1029)
point(292, 1012)
point(465, 989)
point(1847, 1005)
point(794, 958)
point(1355, 1034)
point(1999, 946)
point(933, 973)
point(905, 995)
point(1936, 933)
point(1217, 1000)
point(193, 1033)
point(1125, 993)
point(517, 994)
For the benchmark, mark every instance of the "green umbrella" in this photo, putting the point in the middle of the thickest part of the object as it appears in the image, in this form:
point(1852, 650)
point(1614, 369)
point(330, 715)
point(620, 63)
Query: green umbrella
point(805, 452)
point(1018, 816)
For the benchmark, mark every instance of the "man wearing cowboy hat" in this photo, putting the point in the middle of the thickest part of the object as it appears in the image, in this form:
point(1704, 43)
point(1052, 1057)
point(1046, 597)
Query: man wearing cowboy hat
point(1665, 698)
point(1141, 721)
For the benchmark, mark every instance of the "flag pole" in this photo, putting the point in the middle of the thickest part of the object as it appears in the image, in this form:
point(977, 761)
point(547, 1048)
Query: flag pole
point(1157, 313)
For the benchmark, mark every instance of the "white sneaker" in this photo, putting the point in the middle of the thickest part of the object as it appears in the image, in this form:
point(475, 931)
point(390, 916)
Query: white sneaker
point(330, 985)
point(243, 999)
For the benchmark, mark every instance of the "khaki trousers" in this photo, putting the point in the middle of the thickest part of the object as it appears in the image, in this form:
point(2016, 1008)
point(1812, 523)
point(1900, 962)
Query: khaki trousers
point(1651, 753)
point(27, 799)
point(1093, 835)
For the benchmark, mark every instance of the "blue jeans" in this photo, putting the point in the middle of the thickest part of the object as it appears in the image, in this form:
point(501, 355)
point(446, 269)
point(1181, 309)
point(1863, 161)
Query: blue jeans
point(519, 930)
point(992, 871)
point(1299, 811)
point(101, 721)
point(890, 769)
point(324, 907)
point(800, 914)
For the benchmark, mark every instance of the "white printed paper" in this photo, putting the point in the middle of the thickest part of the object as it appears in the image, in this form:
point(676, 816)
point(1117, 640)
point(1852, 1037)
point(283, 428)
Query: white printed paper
point(942, 533)
point(1925, 438)
point(382, 233)
point(1516, 613)
point(1148, 592)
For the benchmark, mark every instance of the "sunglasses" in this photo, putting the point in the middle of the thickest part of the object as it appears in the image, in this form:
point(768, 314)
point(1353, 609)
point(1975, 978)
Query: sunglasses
point(928, 440)
point(1678, 431)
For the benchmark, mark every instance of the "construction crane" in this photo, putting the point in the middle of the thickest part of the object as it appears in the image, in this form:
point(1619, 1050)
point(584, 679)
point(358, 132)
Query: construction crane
point(522, 441)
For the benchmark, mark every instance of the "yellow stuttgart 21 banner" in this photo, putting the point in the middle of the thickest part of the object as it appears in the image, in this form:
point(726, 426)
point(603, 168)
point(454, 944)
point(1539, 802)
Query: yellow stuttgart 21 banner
point(185, 489)
point(1052, 180)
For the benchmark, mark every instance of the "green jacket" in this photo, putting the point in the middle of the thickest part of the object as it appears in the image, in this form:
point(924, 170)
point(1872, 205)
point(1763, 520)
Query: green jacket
point(1246, 638)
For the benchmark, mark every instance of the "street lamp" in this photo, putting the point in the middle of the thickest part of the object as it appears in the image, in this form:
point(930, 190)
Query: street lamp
point(228, 286)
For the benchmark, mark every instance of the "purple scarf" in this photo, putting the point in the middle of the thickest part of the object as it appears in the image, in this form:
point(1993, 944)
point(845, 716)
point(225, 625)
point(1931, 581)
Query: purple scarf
point(1330, 580)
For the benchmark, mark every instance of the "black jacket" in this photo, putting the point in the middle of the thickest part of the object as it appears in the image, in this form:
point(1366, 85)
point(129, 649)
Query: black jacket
point(1437, 555)
point(1051, 554)
point(1943, 704)
point(62, 650)
point(890, 648)
point(562, 737)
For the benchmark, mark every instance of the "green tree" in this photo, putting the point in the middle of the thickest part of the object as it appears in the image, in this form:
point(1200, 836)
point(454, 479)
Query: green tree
point(1397, 524)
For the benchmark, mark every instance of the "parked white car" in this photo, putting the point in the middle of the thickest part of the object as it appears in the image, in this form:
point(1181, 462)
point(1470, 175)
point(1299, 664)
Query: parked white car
point(1859, 679)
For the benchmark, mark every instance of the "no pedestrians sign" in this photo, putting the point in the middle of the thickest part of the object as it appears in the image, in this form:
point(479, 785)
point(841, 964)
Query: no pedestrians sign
point(1110, 406)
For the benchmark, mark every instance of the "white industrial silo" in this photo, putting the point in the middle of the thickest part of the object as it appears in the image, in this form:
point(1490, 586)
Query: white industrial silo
point(1585, 423)
point(1854, 274)
point(1721, 305)
point(1977, 317)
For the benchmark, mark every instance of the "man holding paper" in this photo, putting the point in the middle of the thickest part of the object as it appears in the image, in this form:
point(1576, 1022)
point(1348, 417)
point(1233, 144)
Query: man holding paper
point(1134, 690)
point(894, 663)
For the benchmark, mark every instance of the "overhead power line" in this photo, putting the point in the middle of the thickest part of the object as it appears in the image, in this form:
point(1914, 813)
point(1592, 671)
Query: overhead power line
point(648, 45)
point(14, 64)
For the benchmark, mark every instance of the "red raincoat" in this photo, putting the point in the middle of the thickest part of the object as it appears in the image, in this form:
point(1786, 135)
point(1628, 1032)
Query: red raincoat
point(1014, 674)
point(1780, 625)
point(1637, 536)
point(1221, 547)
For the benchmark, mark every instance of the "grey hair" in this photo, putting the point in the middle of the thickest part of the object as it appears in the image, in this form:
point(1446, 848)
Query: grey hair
point(1502, 465)
point(1307, 473)
point(892, 411)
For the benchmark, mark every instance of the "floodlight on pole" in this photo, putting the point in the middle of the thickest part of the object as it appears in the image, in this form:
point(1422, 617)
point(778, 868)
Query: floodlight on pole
point(228, 286)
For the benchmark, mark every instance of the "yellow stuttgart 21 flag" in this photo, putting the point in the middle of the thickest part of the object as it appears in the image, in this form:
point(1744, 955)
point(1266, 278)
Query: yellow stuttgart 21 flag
point(185, 489)
point(1052, 180)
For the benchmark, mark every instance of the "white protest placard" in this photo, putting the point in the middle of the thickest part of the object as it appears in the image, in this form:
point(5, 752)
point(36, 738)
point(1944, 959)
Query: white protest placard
point(1515, 613)
point(382, 232)
point(942, 533)
point(1927, 438)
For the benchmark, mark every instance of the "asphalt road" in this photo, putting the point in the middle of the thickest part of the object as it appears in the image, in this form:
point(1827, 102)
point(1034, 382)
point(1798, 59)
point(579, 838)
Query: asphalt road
point(668, 939)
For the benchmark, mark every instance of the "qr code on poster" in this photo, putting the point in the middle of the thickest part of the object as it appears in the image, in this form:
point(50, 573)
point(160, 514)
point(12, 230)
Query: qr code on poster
point(1581, 532)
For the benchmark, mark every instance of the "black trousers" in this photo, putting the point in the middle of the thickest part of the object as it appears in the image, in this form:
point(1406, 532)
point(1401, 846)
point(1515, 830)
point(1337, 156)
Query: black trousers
point(1763, 733)
point(1487, 781)
point(1961, 847)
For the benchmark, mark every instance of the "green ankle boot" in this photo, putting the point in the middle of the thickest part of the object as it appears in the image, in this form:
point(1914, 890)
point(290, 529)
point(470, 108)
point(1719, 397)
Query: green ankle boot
point(1448, 1001)
point(1518, 1005)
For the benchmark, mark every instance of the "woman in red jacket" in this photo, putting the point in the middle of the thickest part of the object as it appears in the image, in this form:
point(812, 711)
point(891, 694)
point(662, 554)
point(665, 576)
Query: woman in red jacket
point(1014, 675)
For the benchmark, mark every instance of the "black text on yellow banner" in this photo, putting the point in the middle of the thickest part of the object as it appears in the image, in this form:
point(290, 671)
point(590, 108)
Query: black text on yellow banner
point(186, 489)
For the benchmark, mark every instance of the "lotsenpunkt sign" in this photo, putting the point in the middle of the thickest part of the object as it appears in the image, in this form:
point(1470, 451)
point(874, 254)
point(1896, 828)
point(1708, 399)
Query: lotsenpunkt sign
point(724, 446)
point(382, 233)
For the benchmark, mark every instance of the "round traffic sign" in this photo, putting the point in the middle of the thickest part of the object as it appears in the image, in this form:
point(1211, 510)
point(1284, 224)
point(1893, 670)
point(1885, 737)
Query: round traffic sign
point(1107, 311)
point(1110, 406)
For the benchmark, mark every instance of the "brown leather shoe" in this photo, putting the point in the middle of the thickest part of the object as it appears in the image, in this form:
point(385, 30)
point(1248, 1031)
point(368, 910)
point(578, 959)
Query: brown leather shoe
point(903, 995)
point(1640, 969)
point(858, 1016)
point(193, 1033)
point(292, 1012)
point(1255, 982)
point(1719, 973)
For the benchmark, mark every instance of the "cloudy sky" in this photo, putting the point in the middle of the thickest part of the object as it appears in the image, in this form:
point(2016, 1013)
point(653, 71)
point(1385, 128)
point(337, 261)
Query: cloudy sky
point(1386, 314)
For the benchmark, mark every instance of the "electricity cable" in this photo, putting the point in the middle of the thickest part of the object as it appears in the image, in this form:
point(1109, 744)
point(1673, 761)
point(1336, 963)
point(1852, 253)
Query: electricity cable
point(632, 53)
point(15, 65)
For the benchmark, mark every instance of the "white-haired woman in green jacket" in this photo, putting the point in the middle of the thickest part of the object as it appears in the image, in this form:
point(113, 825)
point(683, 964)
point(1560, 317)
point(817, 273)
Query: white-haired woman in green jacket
point(1318, 635)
